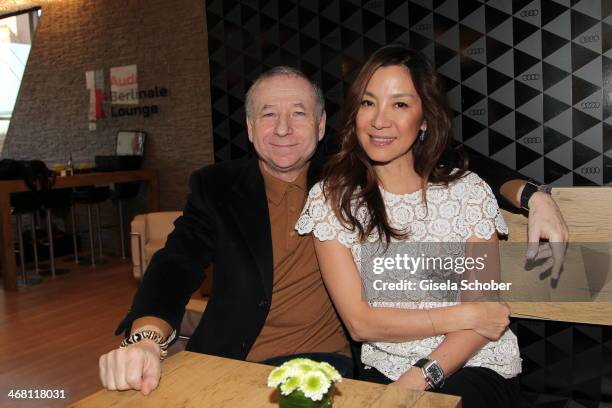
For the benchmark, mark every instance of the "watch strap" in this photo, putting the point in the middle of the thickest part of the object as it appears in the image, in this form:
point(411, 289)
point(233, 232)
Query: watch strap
point(421, 362)
point(424, 364)
point(530, 189)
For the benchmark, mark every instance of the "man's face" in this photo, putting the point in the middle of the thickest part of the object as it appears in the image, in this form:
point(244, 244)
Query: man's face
point(284, 125)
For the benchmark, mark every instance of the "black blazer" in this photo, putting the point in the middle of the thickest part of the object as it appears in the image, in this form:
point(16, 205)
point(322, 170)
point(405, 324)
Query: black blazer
point(226, 222)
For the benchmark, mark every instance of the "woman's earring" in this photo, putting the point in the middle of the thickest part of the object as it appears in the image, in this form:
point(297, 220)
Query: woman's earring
point(421, 134)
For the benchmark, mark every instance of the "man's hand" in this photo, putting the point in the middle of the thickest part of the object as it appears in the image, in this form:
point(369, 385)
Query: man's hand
point(546, 222)
point(135, 367)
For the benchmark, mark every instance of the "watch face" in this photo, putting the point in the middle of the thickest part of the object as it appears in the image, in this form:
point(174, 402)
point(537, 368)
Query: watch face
point(435, 373)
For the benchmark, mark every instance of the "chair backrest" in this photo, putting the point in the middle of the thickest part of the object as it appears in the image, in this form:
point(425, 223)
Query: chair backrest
point(161, 224)
point(154, 229)
point(588, 214)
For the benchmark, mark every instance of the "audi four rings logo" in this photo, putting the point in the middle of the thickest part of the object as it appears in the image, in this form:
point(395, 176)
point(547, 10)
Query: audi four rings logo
point(589, 39)
point(530, 77)
point(476, 112)
point(422, 27)
point(590, 105)
point(475, 51)
point(590, 170)
point(530, 13)
point(532, 139)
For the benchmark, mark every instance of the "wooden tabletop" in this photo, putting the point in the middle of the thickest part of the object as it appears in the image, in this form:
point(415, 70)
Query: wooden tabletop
point(199, 380)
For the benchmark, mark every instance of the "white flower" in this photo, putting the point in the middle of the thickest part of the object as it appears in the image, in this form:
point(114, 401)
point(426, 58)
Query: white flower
point(315, 385)
point(473, 214)
point(439, 227)
point(402, 213)
point(437, 195)
point(301, 365)
point(417, 230)
point(317, 210)
point(477, 194)
point(490, 207)
point(330, 371)
point(304, 225)
point(313, 379)
point(292, 384)
point(420, 211)
point(449, 209)
point(458, 189)
point(484, 229)
point(324, 232)
point(279, 375)
point(316, 191)
point(459, 227)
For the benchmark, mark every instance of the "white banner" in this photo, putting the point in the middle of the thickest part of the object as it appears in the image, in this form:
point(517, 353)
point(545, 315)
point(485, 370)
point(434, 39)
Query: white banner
point(124, 85)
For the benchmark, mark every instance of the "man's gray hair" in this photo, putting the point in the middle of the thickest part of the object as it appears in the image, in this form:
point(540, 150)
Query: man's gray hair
point(287, 71)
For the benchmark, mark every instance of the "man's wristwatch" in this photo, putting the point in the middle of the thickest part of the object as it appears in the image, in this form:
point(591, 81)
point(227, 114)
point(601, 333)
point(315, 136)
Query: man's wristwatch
point(530, 188)
point(153, 335)
point(433, 373)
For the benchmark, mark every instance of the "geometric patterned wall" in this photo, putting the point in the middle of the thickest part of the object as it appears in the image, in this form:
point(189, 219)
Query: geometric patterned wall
point(530, 85)
point(564, 364)
point(529, 81)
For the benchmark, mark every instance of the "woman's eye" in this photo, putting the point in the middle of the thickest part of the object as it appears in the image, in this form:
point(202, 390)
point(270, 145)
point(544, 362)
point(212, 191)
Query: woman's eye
point(365, 102)
point(401, 105)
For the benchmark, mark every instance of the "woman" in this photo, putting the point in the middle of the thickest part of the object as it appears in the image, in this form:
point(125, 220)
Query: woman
point(386, 186)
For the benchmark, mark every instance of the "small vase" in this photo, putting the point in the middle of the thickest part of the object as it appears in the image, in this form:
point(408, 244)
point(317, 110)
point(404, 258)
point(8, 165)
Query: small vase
point(297, 399)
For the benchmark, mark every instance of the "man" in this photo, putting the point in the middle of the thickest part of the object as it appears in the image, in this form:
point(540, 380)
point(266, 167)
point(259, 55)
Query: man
point(268, 299)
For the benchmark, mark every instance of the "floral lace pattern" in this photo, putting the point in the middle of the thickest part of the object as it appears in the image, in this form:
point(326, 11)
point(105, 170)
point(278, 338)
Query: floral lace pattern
point(454, 213)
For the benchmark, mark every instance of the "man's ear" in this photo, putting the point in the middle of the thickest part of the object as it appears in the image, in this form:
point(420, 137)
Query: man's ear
point(322, 122)
point(249, 128)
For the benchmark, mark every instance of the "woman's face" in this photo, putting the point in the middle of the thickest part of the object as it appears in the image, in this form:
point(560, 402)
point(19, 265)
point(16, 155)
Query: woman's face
point(390, 115)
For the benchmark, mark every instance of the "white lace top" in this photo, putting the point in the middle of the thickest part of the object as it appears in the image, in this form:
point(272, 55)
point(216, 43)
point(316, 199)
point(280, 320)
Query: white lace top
point(467, 207)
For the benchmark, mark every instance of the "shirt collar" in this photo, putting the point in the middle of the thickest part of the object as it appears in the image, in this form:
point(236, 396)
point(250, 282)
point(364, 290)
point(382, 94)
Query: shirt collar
point(276, 188)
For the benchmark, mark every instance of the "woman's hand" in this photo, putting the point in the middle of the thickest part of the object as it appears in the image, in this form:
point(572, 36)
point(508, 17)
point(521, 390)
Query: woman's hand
point(413, 379)
point(490, 319)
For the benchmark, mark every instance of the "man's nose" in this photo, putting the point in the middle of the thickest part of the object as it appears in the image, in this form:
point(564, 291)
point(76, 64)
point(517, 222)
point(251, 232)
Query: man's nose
point(379, 120)
point(283, 126)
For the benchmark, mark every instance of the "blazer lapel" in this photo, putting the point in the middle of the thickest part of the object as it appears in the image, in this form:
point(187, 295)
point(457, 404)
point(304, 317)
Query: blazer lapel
point(249, 206)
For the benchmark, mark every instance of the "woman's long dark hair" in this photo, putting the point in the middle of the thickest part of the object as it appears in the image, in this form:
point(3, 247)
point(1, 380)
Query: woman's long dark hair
point(349, 175)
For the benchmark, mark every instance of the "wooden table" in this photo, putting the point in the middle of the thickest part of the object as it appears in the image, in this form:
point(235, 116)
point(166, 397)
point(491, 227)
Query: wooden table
point(199, 380)
point(588, 215)
point(7, 256)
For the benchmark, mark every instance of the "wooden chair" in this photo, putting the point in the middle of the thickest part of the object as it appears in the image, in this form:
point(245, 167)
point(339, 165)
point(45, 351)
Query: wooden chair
point(588, 214)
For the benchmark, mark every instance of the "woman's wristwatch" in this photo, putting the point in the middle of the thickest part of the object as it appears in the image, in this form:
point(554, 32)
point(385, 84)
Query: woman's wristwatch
point(433, 373)
point(153, 335)
point(530, 189)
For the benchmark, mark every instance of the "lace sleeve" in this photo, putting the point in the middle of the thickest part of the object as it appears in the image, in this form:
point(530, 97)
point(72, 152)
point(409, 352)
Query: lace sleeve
point(482, 214)
point(319, 219)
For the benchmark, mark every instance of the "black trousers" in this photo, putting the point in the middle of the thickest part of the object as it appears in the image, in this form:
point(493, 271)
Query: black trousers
point(477, 386)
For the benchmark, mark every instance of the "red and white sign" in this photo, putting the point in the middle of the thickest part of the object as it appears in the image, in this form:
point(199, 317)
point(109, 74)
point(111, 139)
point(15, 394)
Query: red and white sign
point(124, 85)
